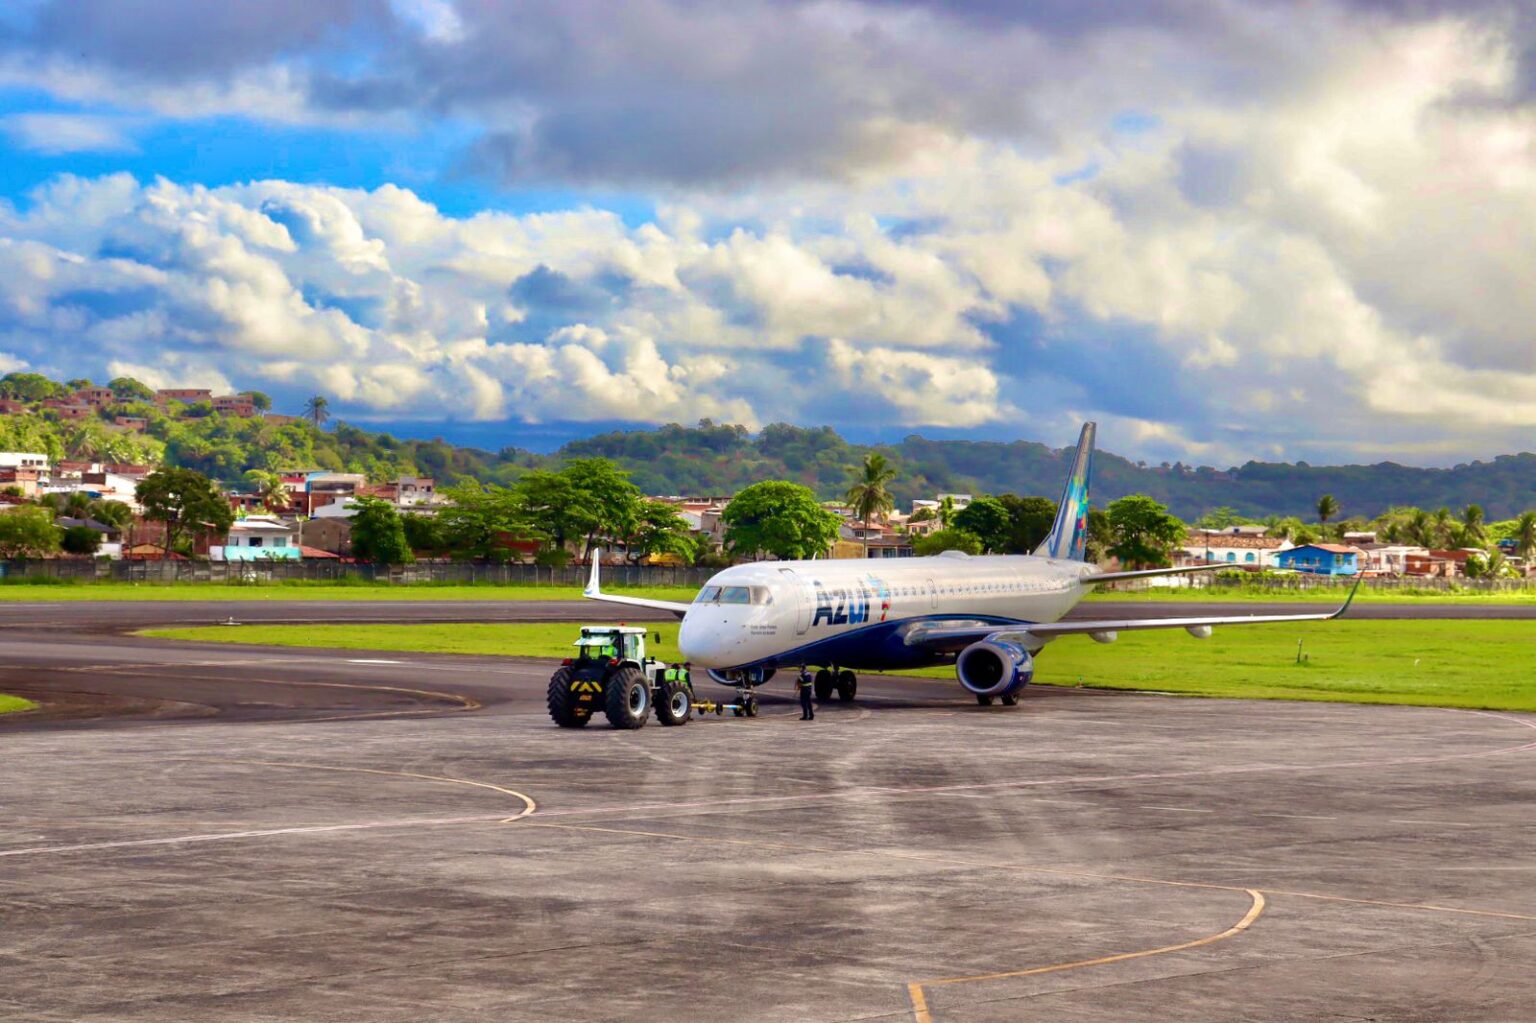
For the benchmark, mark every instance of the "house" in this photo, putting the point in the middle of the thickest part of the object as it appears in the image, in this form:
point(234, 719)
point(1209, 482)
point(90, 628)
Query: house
point(95, 397)
point(185, 395)
point(273, 419)
point(1320, 559)
point(325, 488)
point(1388, 558)
point(332, 534)
point(882, 541)
point(111, 536)
point(12, 407)
point(234, 405)
point(1242, 550)
point(414, 490)
point(26, 482)
point(71, 411)
point(258, 538)
point(136, 424)
point(24, 460)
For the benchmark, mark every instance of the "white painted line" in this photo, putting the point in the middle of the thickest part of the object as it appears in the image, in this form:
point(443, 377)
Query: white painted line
point(1443, 824)
point(1297, 816)
point(370, 660)
point(1175, 809)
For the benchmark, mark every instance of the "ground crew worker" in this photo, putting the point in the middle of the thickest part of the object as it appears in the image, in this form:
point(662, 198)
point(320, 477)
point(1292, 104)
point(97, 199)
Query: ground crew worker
point(804, 685)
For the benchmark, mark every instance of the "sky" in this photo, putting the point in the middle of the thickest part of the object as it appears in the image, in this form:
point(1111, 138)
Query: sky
point(1224, 230)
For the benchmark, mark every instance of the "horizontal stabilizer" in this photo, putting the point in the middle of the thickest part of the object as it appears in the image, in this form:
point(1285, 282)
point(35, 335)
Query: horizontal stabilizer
point(1147, 573)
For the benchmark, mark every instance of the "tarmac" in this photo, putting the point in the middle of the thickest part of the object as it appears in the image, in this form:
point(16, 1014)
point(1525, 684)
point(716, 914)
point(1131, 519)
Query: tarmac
point(253, 834)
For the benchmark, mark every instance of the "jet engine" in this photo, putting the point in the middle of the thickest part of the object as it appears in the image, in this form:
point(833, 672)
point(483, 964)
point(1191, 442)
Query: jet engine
point(994, 668)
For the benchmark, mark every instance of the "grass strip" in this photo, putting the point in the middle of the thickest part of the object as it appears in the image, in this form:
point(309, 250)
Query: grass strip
point(1446, 663)
point(15, 591)
point(14, 704)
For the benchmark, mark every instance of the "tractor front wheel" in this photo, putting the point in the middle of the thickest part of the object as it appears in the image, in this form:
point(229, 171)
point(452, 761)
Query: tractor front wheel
point(674, 704)
point(628, 701)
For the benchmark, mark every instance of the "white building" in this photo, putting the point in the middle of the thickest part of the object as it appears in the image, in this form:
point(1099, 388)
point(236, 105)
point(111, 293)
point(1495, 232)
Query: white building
point(24, 460)
point(1240, 550)
point(258, 538)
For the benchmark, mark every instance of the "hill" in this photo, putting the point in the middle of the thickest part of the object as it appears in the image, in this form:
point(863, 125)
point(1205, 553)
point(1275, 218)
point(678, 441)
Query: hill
point(714, 458)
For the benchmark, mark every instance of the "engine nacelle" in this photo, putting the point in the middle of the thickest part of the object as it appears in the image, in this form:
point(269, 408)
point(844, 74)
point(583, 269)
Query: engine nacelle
point(994, 668)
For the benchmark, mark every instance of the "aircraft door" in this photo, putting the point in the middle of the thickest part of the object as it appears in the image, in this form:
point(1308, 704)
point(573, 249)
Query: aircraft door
point(933, 595)
point(804, 600)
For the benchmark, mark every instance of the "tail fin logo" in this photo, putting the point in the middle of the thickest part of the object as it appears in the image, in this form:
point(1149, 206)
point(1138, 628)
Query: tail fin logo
point(1068, 537)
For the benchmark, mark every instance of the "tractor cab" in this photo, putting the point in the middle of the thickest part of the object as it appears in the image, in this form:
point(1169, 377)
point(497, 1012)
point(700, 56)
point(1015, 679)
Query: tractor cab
point(607, 642)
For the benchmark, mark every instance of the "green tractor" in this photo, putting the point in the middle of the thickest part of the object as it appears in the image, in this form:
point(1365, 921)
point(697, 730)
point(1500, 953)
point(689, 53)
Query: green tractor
point(612, 673)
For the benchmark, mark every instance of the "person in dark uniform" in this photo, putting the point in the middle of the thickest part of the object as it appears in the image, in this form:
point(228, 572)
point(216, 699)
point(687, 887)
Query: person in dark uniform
point(807, 706)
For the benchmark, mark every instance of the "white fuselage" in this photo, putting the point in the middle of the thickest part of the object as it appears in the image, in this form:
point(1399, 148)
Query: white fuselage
point(854, 613)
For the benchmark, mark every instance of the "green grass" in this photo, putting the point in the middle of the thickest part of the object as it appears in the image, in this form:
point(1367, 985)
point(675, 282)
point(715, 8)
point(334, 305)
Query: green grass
point(1367, 595)
point(12, 704)
point(306, 590)
point(1481, 664)
point(522, 639)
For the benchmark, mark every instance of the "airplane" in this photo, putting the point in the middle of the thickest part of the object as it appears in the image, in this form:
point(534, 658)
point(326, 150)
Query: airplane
point(988, 615)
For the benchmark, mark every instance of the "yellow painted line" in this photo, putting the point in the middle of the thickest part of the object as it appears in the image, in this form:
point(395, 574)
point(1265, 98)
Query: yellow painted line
point(922, 1014)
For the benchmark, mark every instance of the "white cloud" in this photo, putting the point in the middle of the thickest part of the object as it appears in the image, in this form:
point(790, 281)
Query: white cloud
point(55, 133)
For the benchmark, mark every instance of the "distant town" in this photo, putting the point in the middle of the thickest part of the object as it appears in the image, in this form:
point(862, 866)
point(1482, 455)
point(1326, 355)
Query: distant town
point(85, 503)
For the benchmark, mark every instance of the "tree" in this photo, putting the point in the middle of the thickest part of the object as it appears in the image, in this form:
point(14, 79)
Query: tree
point(260, 399)
point(129, 389)
point(269, 486)
point(1327, 508)
point(1142, 532)
point(28, 532)
point(656, 527)
point(868, 496)
point(81, 540)
point(1471, 532)
point(1220, 518)
point(29, 387)
point(183, 499)
point(378, 534)
point(1442, 528)
point(946, 510)
point(1524, 534)
point(317, 410)
point(1029, 522)
point(479, 518)
point(986, 519)
point(424, 533)
point(112, 513)
point(590, 497)
point(941, 540)
point(924, 514)
point(780, 518)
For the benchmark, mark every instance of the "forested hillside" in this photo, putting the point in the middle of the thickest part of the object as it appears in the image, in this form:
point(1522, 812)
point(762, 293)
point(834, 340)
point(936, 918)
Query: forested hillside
point(713, 458)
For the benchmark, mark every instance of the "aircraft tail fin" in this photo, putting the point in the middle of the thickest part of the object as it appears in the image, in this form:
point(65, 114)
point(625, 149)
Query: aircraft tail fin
point(1068, 537)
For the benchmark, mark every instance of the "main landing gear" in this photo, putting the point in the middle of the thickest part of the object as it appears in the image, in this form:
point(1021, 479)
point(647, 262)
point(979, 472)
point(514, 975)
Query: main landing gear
point(1009, 700)
point(829, 680)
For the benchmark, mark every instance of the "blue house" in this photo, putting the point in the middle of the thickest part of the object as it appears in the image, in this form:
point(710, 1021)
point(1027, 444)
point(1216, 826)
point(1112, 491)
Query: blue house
point(1320, 559)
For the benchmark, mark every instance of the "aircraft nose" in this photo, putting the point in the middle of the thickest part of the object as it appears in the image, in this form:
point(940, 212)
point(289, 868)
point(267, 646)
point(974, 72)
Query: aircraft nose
point(702, 644)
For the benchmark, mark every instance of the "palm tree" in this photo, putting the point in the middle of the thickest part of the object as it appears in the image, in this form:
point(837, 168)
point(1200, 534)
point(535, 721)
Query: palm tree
point(868, 496)
point(1327, 508)
point(946, 510)
point(270, 488)
point(1471, 532)
point(1440, 528)
point(1525, 534)
point(1420, 529)
point(318, 410)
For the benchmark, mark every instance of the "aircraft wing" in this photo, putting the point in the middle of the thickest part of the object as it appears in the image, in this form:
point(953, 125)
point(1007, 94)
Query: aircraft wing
point(953, 636)
point(594, 592)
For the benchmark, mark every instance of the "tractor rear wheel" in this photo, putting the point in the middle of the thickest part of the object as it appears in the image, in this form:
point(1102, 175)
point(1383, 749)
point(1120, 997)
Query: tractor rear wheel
point(563, 709)
point(847, 686)
point(628, 698)
point(674, 704)
point(823, 685)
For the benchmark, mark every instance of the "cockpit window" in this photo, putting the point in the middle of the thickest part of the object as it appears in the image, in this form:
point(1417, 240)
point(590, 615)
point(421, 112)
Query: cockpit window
point(734, 595)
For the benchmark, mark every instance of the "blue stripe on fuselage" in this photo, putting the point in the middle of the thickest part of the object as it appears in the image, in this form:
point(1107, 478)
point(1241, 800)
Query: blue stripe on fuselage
point(878, 647)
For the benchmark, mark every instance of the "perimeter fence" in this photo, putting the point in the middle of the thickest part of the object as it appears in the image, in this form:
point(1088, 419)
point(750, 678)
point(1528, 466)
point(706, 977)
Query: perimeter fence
point(82, 570)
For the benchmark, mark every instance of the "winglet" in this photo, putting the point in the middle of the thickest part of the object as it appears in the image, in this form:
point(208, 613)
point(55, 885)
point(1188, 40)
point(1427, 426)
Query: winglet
point(1359, 578)
point(594, 591)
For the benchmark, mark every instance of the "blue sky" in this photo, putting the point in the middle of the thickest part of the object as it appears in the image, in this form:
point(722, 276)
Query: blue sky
point(1226, 232)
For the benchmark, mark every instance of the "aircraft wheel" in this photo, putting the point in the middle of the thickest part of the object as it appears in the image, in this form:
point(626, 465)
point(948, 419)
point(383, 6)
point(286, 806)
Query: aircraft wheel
point(847, 686)
point(749, 705)
point(823, 684)
point(1010, 700)
point(985, 701)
